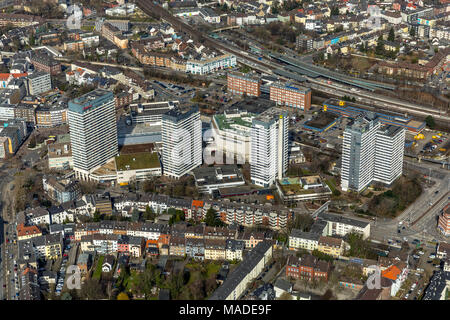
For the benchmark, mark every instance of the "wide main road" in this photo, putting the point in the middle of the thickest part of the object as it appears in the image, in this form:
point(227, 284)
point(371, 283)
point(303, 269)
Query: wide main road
point(157, 11)
point(420, 218)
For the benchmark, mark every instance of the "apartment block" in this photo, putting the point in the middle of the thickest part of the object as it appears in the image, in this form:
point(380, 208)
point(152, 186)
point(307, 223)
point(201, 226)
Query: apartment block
point(269, 147)
point(38, 82)
point(371, 152)
point(182, 141)
point(240, 83)
point(289, 95)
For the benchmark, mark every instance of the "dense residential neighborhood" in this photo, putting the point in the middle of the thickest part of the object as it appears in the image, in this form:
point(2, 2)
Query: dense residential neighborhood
point(224, 150)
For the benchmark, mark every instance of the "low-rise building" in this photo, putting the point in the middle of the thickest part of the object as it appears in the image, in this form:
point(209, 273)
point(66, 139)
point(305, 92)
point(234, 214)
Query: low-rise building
point(341, 226)
point(292, 189)
point(60, 153)
point(303, 240)
point(215, 249)
point(234, 249)
point(177, 246)
point(27, 232)
point(61, 190)
point(308, 267)
point(331, 246)
point(209, 179)
point(240, 83)
point(38, 82)
point(444, 221)
point(289, 95)
point(137, 167)
point(206, 66)
point(253, 264)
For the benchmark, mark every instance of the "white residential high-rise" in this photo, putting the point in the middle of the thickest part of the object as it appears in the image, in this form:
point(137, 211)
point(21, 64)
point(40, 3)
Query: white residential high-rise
point(269, 147)
point(182, 141)
point(389, 154)
point(358, 153)
point(371, 152)
point(93, 131)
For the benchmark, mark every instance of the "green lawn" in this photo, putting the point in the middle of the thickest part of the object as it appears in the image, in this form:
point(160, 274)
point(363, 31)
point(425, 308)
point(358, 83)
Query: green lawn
point(87, 28)
point(212, 268)
point(331, 183)
point(128, 282)
point(98, 270)
point(137, 161)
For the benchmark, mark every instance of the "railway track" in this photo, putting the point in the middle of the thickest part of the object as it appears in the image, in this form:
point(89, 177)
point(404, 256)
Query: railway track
point(431, 208)
point(157, 11)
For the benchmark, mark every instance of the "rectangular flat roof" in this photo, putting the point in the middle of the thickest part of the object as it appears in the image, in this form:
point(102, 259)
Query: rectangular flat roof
point(137, 161)
point(90, 100)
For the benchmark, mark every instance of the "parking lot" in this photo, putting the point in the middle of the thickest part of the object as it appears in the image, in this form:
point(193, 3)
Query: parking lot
point(60, 283)
point(433, 144)
point(330, 139)
point(422, 267)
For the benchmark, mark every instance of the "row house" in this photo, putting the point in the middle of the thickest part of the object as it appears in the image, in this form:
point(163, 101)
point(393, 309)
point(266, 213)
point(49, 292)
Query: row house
point(215, 249)
point(234, 249)
point(27, 232)
point(37, 215)
point(146, 56)
point(251, 239)
point(86, 229)
point(196, 212)
point(59, 215)
point(149, 231)
point(19, 20)
point(195, 232)
point(48, 246)
point(130, 245)
point(123, 99)
point(195, 248)
point(177, 246)
point(219, 233)
point(101, 243)
point(79, 207)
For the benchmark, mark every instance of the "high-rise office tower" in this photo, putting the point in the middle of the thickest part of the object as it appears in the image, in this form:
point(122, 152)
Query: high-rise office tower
point(93, 131)
point(269, 147)
point(182, 141)
point(371, 152)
